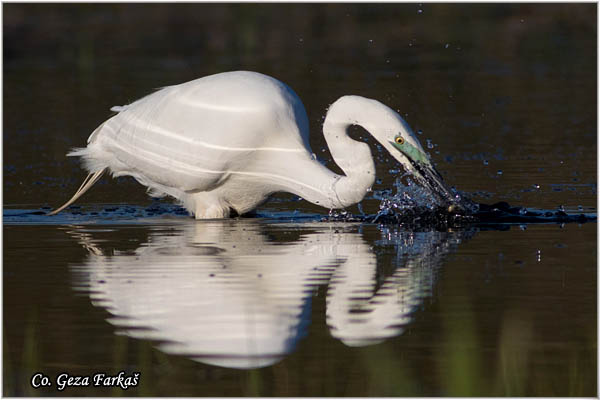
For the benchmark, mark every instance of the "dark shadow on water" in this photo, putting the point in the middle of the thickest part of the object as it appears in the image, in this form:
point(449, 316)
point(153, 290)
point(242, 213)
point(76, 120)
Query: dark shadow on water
point(486, 214)
point(409, 219)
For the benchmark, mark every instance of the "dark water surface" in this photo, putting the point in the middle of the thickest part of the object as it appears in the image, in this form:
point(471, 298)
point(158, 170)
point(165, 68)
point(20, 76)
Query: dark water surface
point(284, 304)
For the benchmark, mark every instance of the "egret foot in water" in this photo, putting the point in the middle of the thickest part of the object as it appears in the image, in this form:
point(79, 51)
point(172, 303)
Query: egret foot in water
point(209, 206)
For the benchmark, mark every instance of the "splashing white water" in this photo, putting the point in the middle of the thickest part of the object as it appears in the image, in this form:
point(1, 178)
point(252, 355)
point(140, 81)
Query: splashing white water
point(408, 195)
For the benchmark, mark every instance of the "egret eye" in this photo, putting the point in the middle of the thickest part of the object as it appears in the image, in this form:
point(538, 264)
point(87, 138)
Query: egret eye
point(399, 140)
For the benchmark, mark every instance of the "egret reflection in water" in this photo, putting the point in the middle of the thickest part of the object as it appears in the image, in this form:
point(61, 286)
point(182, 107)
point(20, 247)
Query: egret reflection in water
point(224, 293)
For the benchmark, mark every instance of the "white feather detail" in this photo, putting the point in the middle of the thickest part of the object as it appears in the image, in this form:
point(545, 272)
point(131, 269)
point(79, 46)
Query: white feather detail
point(90, 160)
point(119, 108)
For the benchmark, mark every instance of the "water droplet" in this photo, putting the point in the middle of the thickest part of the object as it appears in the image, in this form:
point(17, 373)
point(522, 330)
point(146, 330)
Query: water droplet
point(420, 11)
point(522, 211)
point(522, 20)
point(378, 181)
point(447, 45)
point(536, 186)
point(387, 61)
point(370, 40)
point(580, 208)
point(429, 144)
point(561, 208)
point(313, 156)
point(499, 172)
point(301, 40)
point(420, 132)
point(485, 162)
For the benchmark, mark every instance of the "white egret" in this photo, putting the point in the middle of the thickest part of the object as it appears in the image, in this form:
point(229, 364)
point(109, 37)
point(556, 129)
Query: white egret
point(228, 141)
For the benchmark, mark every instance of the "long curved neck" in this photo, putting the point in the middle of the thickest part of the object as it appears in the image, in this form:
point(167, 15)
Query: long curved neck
point(354, 158)
point(319, 185)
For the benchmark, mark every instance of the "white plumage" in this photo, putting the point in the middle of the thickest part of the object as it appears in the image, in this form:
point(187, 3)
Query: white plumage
point(229, 141)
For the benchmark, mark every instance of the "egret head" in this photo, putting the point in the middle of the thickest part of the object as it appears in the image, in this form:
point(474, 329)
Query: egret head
point(406, 149)
point(393, 133)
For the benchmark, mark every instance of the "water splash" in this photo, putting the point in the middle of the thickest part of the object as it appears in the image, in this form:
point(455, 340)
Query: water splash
point(409, 194)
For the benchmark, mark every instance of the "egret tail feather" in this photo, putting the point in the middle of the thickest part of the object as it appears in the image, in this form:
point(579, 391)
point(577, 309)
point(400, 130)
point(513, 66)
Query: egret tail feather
point(88, 182)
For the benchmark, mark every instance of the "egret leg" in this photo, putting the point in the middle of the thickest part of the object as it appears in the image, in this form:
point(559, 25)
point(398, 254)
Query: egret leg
point(209, 206)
